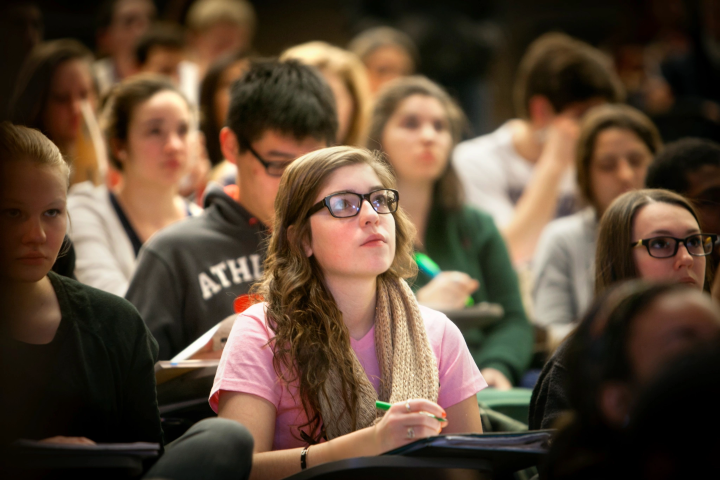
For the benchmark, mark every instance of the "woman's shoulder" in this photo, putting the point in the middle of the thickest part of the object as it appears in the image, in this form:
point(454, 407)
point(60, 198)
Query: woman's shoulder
point(572, 225)
point(568, 232)
point(87, 201)
point(95, 309)
point(254, 319)
point(465, 216)
point(477, 215)
point(87, 193)
point(438, 326)
point(477, 224)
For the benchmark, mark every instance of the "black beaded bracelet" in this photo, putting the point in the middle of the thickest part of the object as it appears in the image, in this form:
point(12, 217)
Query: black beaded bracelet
point(303, 458)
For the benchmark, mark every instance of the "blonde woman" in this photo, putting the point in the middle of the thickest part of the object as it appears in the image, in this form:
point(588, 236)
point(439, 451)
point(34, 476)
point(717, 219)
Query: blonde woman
point(347, 77)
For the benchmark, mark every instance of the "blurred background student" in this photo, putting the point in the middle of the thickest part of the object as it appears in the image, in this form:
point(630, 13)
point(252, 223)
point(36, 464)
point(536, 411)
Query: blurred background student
point(217, 28)
point(387, 54)
point(522, 172)
point(161, 50)
point(615, 148)
point(147, 124)
point(416, 125)
point(120, 23)
point(346, 75)
point(189, 274)
point(649, 234)
point(56, 94)
point(214, 106)
point(631, 334)
point(21, 29)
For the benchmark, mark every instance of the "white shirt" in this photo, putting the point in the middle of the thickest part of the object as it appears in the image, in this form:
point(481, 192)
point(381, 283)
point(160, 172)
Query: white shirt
point(105, 258)
point(494, 175)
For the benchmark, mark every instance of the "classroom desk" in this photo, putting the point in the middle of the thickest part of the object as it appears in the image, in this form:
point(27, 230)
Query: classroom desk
point(486, 456)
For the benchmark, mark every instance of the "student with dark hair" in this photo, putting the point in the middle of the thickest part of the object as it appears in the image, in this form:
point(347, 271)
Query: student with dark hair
point(52, 89)
point(630, 335)
point(520, 173)
point(148, 124)
point(161, 40)
point(691, 167)
point(189, 274)
point(648, 234)
point(415, 124)
point(161, 50)
point(120, 23)
point(616, 145)
point(215, 100)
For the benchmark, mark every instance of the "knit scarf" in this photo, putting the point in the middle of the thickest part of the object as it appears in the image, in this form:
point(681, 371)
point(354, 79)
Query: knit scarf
point(407, 364)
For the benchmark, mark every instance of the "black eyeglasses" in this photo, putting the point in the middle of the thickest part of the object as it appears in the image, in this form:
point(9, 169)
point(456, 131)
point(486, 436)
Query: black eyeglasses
point(698, 245)
point(274, 169)
point(348, 204)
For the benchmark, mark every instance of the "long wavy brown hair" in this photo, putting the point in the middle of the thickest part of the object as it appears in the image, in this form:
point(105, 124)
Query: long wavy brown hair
point(310, 336)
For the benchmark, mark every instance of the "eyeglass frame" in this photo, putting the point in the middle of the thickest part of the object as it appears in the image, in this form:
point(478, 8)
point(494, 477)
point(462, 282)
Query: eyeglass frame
point(267, 164)
point(325, 202)
point(646, 242)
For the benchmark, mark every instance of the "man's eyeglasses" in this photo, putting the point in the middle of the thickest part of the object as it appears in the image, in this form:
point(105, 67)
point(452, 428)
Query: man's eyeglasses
point(348, 204)
point(274, 169)
point(698, 245)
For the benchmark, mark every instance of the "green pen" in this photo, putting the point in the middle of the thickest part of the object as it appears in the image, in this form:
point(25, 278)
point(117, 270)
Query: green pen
point(432, 269)
point(384, 406)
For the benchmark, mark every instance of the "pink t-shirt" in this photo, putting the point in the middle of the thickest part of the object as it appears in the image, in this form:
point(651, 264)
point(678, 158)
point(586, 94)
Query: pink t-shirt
point(246, 366)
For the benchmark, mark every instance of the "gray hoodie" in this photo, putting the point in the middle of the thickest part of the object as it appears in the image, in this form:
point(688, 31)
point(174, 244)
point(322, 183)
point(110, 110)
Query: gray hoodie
point(189, 274)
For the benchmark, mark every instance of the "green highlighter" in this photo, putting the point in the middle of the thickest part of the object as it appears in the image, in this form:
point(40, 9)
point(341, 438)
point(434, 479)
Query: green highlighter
point(384, 406)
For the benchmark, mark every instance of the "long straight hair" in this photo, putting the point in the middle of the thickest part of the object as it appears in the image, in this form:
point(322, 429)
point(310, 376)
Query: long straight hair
point(614, 261)
point(599, 119)
point(448, 187)
point(34, 80)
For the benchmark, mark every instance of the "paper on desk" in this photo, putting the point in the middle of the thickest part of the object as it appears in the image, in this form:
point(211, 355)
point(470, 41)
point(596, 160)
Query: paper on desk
point(195, 346)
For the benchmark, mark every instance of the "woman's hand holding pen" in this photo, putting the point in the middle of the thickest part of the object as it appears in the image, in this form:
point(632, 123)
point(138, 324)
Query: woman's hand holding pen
point(406, 422)
point(448, 291)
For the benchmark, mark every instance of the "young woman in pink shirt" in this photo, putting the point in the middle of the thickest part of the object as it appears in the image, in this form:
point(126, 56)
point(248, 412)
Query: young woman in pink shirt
point(339, 328)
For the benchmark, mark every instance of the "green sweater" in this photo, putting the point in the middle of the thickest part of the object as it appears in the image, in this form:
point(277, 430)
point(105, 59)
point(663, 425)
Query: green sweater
point(468, 241)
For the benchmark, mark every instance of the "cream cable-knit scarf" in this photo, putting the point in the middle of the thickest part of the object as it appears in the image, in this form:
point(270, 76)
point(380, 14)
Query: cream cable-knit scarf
point(407, 363)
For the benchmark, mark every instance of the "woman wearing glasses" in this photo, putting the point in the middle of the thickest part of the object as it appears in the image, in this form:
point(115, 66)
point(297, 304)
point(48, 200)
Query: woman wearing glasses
point(416, 124)
point(339, 328)
point(651, 234)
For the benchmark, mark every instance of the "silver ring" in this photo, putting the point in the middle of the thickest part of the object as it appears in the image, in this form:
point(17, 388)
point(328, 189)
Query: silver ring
point(410, 433)
point(407, 406)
